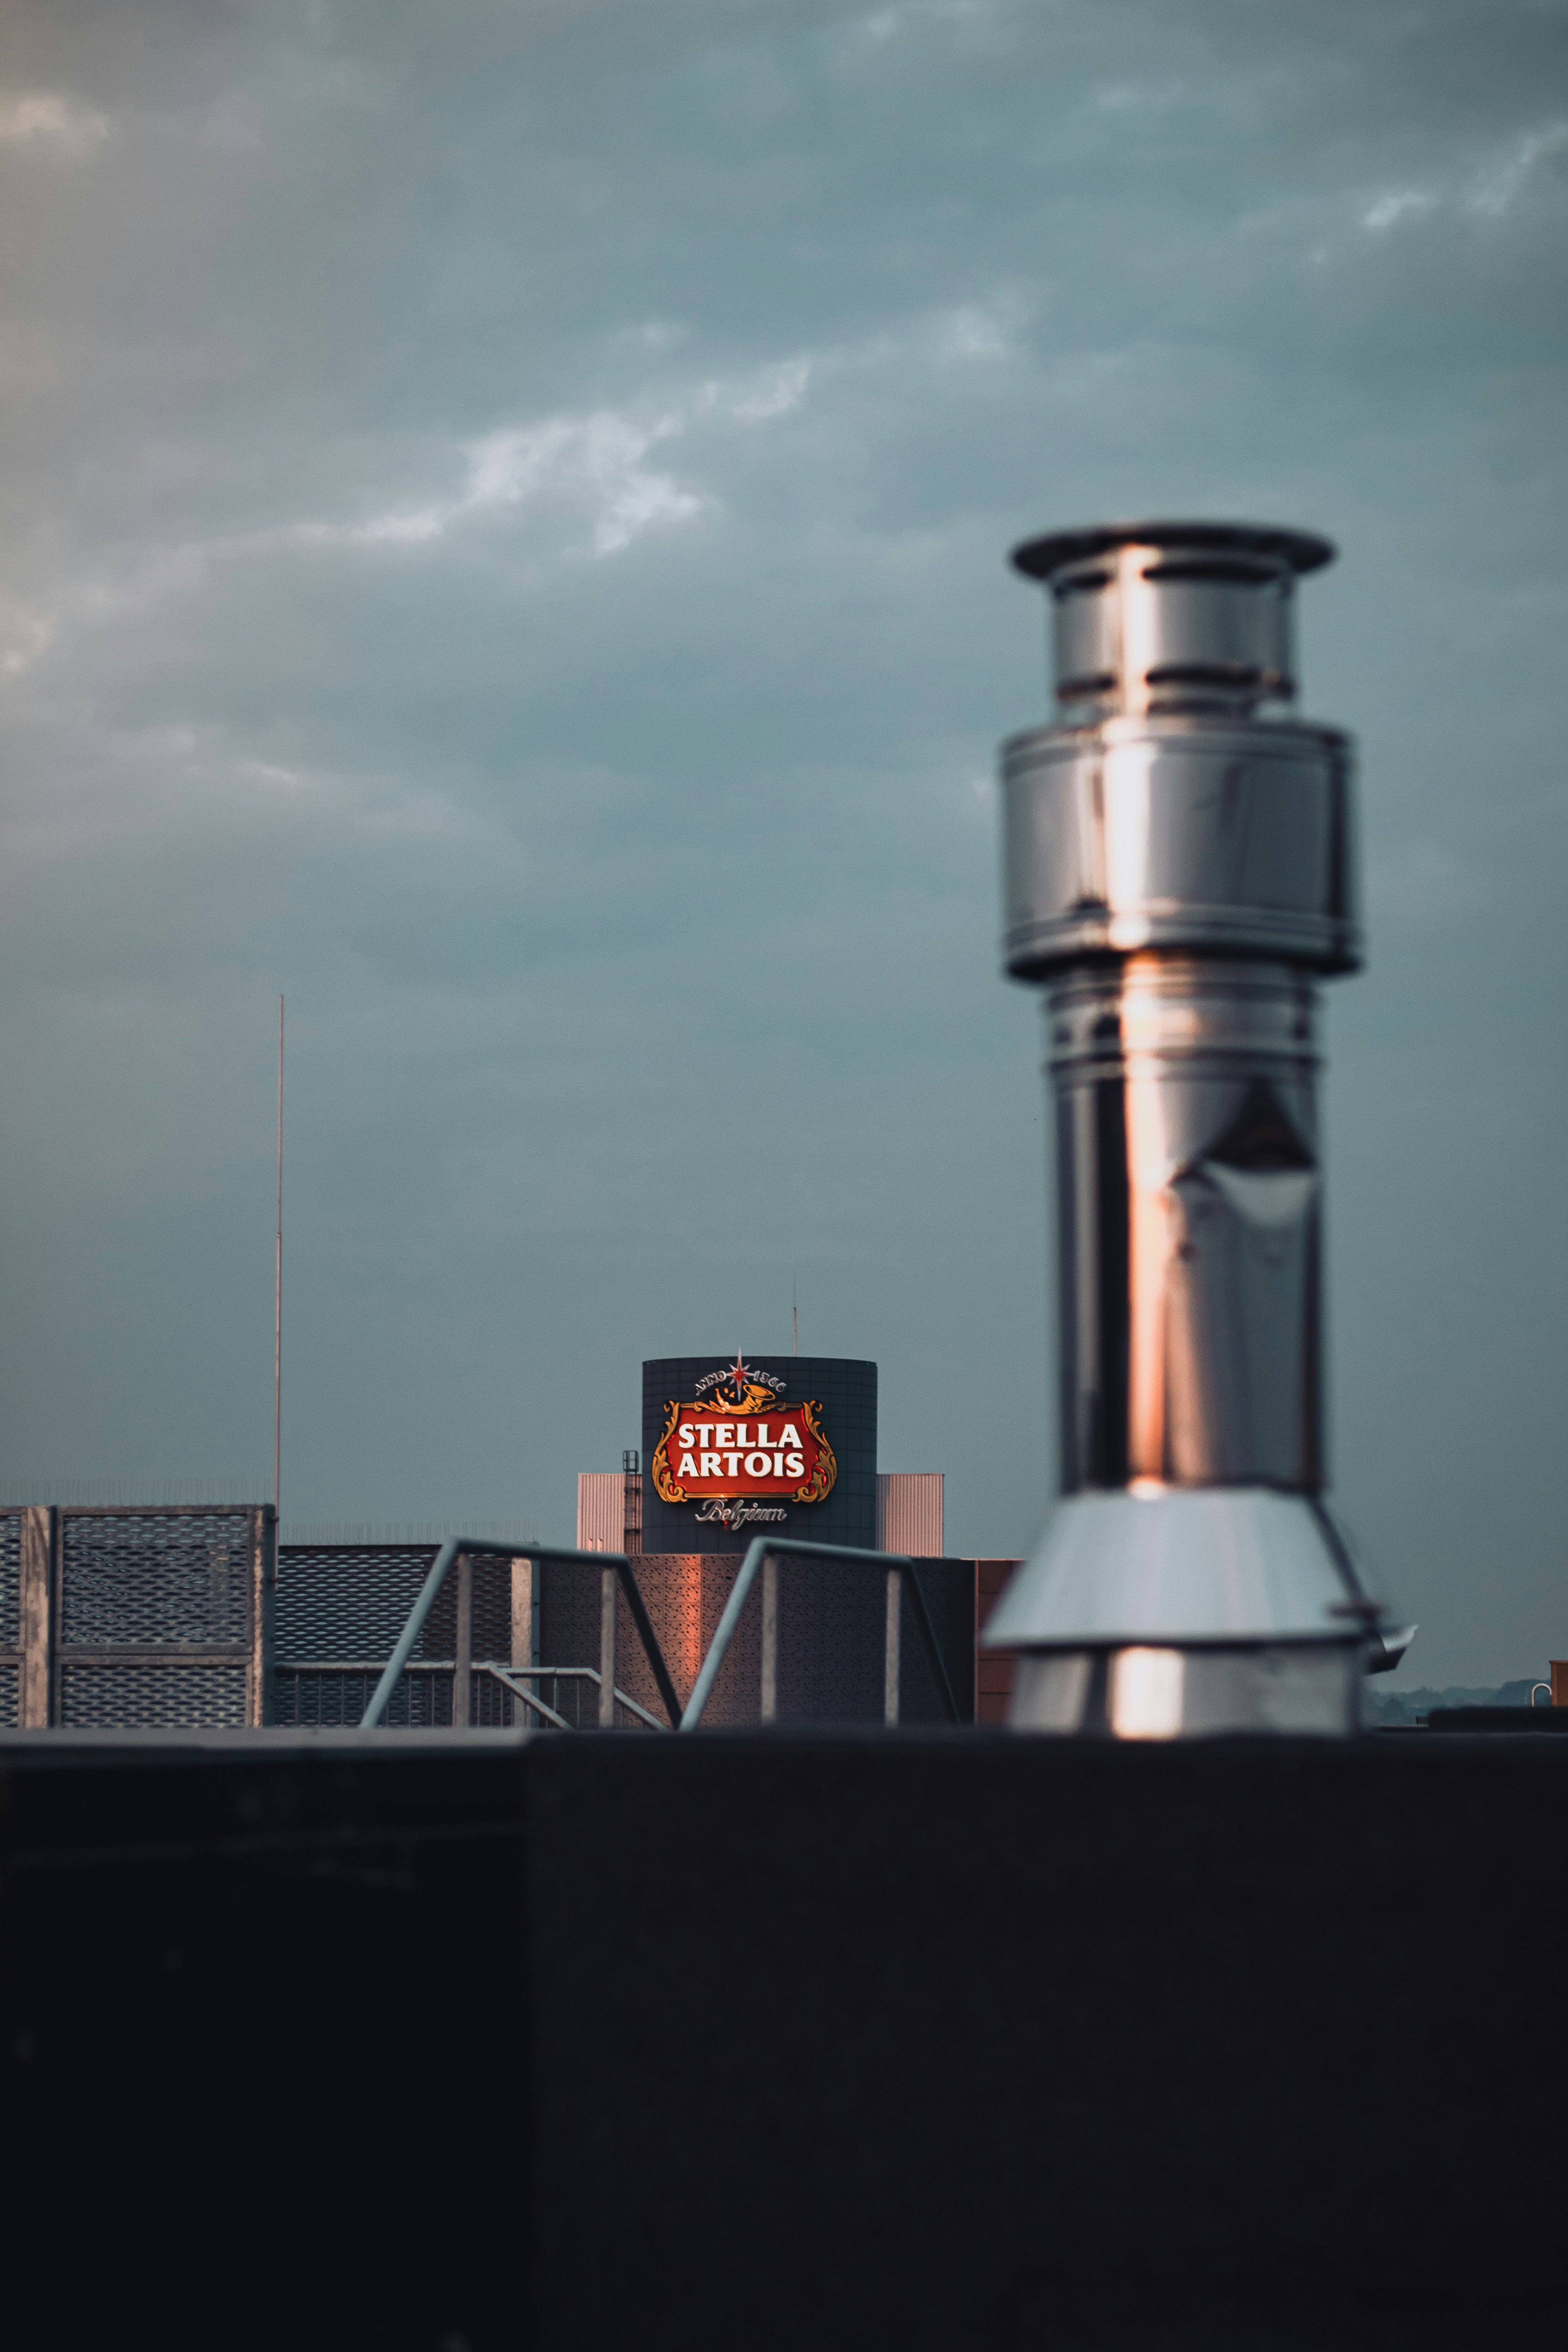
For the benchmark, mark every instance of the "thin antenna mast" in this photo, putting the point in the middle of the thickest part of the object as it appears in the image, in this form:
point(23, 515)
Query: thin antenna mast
point(795, 1310)
point(278, 1298)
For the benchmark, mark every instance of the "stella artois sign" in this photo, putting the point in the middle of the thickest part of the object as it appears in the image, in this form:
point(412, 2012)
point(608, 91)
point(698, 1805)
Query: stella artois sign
point(739, 1438)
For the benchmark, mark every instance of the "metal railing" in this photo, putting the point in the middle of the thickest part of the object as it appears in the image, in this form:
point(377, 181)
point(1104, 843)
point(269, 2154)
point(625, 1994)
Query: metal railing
point(764, 1554)
point(520, 1683)
point(614, 1569)
point(512, 1678)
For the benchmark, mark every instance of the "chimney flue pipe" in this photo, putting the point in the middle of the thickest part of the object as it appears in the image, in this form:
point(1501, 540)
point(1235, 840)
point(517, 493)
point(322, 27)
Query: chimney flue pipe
point(1180, 874)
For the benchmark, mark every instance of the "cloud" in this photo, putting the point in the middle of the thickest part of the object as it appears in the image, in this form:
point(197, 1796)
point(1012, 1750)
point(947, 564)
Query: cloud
point(1398, 204)
point(884, 25)
point(24, 637)
point(1139, 98)
point(1498, 185)
point(975, 332)
point(596, 462)
point(774, 391)
point(1490, 193)
point(591, 469)
point(50, 123)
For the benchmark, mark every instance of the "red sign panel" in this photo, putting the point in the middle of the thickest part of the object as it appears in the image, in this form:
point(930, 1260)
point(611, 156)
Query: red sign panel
point(743, 1440)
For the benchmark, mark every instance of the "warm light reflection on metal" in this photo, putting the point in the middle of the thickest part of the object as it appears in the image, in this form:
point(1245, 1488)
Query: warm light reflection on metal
point(1180, 874)
point(1146, 1692)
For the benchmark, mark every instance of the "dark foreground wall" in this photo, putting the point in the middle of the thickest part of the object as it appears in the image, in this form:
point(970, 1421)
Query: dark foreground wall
point(926, 2041)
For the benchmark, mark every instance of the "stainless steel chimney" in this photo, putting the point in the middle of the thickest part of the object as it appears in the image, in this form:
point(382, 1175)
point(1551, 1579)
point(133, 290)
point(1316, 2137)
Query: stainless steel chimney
point(1180, 874)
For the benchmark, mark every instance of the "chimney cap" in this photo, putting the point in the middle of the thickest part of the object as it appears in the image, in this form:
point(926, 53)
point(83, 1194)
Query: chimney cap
point(1304, 551)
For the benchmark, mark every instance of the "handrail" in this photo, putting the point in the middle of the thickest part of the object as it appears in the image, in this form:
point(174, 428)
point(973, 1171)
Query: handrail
point(510, 1676)
point(766, 1548)
point(531, 1698)
point(469, 1547)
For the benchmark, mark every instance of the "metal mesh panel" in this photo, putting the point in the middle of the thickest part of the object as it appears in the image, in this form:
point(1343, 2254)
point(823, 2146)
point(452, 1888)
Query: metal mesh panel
point(832, 1631)
point(418, 1702)
point(421, 1701)
point(569, 1617)
point(10, 1579)
point(352, 1601)
point(127, 1697)
point(346, 1601)
point(491, 1634)
point(685, 1592)
point(10, 1696)
point(145, 1577)
point(672, 1585)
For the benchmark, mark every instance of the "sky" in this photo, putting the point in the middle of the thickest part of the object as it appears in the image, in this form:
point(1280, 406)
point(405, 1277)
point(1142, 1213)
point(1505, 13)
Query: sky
point(504, 524)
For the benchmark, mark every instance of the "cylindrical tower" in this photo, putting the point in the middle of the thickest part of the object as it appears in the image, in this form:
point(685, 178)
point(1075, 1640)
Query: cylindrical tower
point(1180, 874)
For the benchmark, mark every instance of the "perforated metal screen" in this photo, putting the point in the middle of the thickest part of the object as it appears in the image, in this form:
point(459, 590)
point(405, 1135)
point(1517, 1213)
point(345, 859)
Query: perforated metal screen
point(419, 1702)
point(10, 1618)
point(144, 1695)
point(339, 1695)
point(154, 1577)
point(10, 1579)
point(346, 1601)
point(349, 1602)
point(160, 1617)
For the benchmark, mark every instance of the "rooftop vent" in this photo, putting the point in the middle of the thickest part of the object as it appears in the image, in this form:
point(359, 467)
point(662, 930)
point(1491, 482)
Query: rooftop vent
point(1180, 875)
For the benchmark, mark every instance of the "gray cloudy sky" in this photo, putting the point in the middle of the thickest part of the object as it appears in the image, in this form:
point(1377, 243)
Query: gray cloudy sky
point(504, 514)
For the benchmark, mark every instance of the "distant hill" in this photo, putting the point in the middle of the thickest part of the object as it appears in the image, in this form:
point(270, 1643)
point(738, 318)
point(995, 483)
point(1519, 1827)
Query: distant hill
point(1409, 1707)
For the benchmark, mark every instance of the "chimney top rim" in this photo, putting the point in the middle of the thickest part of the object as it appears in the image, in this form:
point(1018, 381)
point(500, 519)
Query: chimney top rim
point(1040, 559)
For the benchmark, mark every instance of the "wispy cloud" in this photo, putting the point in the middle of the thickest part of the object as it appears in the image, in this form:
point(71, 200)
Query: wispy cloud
point(602, 456)
point(1501, 183)
point(1139, 98)
point(47, 121)
point(591, 483)
point(879, 27)
point(1399, 204)
point(597, 467)
point(1490, 193)
point(600, 460)
point(975, 331)
point(24, 636)
point(771, 392)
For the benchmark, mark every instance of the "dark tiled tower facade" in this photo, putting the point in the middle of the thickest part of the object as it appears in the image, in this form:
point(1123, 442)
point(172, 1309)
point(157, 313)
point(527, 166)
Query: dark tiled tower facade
point(843, 1388)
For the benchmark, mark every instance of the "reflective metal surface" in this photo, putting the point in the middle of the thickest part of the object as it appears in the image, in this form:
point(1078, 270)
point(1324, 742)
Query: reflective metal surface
point(1188, 834)
point(1188, 1196)
point(1148, 1693)
point(1183, 1564)
point(1172, 616)
point(1180, 873)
